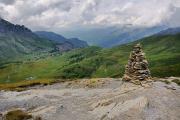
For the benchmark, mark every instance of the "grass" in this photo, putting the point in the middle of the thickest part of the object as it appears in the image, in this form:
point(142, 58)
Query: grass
point(92, 83)
point(47, 68)
point(17, 115)
point(177, 81)
point(167, 82)
point(87, 83)
point(23, 85)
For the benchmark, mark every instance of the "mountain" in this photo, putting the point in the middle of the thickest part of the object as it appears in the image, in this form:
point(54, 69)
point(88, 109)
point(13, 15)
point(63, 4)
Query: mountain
point(7, 27)
point(112, 35)
point(51, 36)
point(17, 40)
point(61, 41)
point(77, 43)
point(169, 31)
point(162, 52)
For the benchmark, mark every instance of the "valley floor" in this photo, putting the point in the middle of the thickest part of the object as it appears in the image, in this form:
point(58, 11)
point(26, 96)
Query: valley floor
point(97, 99)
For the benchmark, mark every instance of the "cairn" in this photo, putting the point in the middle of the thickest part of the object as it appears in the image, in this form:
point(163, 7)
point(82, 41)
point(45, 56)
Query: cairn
point(137, 70)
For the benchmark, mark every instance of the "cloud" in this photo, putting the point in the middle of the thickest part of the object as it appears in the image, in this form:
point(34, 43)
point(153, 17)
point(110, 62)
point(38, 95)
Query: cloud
point(174, 19)
point(7, 1)
point(61, 14)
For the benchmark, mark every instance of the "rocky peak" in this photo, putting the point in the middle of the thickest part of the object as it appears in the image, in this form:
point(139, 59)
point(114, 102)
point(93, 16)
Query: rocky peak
point(137, 70)
point(7, 27)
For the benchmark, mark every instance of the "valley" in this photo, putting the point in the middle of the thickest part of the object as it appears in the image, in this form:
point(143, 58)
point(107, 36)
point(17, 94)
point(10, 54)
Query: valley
point(162, 52)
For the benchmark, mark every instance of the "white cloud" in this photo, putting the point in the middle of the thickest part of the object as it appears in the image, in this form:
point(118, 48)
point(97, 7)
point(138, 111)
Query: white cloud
point(57, 14)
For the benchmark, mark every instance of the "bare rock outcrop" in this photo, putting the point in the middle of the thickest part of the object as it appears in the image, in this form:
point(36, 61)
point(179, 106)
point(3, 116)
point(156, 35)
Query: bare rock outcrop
point(114, 100)
point(137, 70)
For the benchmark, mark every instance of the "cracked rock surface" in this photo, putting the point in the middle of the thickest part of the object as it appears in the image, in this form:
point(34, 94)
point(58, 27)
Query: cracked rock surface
point(110, 99)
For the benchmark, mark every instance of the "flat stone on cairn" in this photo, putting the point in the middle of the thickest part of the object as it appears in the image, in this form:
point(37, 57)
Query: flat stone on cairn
point(137, 70)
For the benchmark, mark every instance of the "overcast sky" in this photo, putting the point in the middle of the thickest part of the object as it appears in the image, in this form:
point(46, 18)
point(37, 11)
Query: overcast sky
point(61, 14)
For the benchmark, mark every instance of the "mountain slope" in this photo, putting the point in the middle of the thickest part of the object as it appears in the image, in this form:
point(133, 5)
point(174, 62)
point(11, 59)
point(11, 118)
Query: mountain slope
point(75, 42)
point(162, 52)
point(51, 36)
point(169, 31)
point(16, 40)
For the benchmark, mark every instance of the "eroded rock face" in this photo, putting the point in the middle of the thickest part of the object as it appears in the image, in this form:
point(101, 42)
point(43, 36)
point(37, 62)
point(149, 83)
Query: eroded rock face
point(137, 70)
point(117, 111)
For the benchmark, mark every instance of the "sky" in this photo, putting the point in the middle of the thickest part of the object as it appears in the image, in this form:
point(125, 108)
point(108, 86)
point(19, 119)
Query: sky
point(69, 14)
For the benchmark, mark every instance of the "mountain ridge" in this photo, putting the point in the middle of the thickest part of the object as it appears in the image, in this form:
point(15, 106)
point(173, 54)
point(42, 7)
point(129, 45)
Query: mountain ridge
point(169, 31)
point(113, 35)
point(55, 37)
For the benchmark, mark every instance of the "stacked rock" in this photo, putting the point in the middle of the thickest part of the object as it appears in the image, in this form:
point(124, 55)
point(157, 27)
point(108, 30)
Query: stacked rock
point(137, 70)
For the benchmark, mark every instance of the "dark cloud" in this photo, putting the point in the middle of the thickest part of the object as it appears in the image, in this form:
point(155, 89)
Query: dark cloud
point(7, 1)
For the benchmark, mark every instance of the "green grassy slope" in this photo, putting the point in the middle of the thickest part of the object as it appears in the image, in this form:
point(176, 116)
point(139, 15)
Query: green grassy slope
point(162, 52)
point(17, 41)
point(44, 68)
point(13, 45)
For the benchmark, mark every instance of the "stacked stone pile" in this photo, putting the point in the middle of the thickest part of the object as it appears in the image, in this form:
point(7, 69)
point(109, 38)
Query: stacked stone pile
point(137, 70)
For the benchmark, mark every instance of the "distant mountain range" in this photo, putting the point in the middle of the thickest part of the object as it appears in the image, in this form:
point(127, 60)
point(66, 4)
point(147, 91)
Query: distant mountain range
point(113, 35)
point(62, 43)
point(169, 31)
point(18, 40)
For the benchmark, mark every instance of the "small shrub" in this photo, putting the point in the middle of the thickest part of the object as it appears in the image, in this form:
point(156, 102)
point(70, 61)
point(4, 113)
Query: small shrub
point(17, 115)
point(166, 81)
point(177, 81)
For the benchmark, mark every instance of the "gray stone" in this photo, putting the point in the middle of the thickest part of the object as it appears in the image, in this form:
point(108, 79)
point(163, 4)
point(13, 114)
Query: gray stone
point(137, 67)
